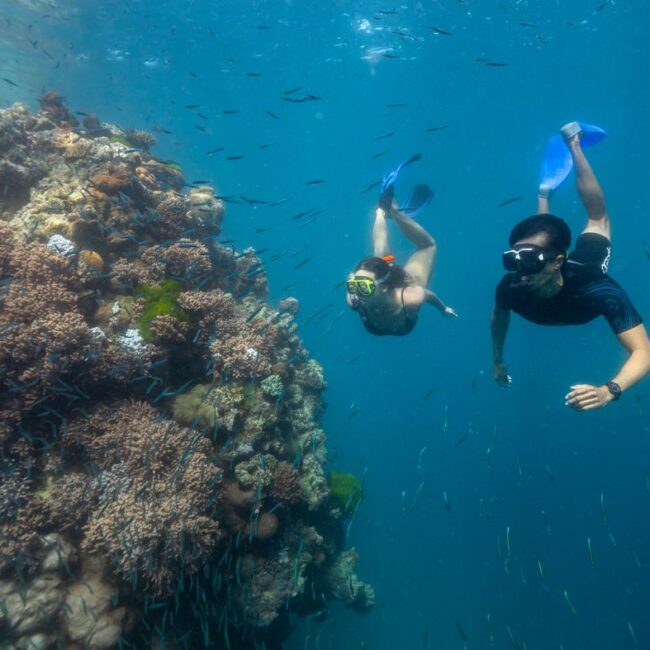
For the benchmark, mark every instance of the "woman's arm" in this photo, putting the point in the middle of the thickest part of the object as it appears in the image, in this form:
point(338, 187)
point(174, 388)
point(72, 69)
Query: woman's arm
point(585, 397)
point(432, 299)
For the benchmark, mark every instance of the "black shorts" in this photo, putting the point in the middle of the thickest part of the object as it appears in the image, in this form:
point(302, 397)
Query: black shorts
point(592, 249)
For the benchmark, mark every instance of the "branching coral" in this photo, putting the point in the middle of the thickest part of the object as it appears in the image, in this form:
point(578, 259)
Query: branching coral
point(137, 138)
point(156, 481)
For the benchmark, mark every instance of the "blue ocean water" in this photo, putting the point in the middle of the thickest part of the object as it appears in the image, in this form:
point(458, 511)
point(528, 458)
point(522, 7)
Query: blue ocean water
point(525, 479)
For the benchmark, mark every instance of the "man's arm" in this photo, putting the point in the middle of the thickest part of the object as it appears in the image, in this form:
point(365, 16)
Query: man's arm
point(500, 323)
point(584, 397)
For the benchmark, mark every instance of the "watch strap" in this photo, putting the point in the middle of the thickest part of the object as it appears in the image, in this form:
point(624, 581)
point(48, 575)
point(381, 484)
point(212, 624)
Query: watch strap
point(614, 389)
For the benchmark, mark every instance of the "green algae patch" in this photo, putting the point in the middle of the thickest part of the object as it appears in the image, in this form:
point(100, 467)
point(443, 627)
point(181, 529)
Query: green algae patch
point(170, 164)
point(160, 300)
point(345, 490)
point(45, 492)
point(251, 396)
point(120, 139)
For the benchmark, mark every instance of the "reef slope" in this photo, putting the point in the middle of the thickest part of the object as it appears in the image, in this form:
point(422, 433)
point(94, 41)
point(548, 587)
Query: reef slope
point(162, 478)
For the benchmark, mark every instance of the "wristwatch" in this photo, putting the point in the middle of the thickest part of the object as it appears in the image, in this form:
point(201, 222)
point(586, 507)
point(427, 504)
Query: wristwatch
point(614, 389)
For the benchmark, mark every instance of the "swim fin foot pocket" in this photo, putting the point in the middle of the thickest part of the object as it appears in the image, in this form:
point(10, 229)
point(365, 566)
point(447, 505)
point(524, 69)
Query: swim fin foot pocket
point(569, 130)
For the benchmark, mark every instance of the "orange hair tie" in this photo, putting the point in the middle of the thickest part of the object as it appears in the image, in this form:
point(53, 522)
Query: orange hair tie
point(388, 258)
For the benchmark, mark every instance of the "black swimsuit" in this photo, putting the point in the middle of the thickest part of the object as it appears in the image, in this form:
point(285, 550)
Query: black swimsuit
point(406, 328)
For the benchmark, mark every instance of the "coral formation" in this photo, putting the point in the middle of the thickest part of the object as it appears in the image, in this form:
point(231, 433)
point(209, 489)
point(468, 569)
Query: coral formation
point(162, 478)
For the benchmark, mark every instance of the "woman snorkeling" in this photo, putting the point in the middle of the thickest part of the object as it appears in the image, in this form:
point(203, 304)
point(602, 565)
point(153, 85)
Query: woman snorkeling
point(387, 296)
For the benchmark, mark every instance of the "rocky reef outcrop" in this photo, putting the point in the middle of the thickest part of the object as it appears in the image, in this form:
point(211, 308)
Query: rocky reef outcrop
point(161, 468)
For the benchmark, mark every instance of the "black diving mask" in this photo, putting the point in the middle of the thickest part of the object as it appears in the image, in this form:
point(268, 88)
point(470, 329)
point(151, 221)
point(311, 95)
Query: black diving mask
point(527, 259)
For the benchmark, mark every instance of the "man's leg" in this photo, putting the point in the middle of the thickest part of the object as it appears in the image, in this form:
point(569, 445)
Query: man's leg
point(420, 265)
point(589, 189)
point(543, 202)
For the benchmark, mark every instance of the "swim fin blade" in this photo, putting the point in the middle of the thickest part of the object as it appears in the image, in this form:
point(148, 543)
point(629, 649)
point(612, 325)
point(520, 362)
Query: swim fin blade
point(419, 198)
point(557, 160)
point(557, 164)
point(591, 134)
point(391, 176)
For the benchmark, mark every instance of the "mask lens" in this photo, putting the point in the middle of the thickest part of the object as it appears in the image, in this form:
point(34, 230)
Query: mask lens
point(510, 263)
point(361, 286)
point(525, 261)
point(365, 287)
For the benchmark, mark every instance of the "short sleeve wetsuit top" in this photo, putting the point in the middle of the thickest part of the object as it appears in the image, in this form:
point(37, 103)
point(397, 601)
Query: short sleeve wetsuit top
point(587, 291)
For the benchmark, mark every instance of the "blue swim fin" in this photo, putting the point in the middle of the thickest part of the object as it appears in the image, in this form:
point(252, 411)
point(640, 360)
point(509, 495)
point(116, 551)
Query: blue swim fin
point(388, 182)
point(557, 160)
point(419, 198)
point(591, 134)
point(556, 166)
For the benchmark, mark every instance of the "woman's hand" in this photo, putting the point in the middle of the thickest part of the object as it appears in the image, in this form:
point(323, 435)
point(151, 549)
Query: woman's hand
point(449, 312)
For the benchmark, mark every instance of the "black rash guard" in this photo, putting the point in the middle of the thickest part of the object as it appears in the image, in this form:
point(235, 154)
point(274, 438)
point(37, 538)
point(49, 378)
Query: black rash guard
point(587, 292)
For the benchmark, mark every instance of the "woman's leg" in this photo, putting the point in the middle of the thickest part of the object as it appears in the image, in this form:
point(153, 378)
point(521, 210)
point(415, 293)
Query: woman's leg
point(380, 234)
point(420, 265)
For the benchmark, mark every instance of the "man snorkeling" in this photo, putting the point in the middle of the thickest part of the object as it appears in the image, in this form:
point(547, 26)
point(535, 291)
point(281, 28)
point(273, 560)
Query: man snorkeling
point(387, 296)
point(546, 286)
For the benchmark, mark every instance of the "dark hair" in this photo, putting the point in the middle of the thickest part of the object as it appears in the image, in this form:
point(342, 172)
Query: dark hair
point(393, 276)
point(556, 230)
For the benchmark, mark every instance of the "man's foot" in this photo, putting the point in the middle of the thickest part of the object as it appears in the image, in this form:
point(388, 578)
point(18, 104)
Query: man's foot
point(545, 191)
point(571, 131)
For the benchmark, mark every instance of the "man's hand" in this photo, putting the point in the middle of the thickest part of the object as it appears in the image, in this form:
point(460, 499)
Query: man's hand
point(449, 312)
point(500, 374)
point(585, 397)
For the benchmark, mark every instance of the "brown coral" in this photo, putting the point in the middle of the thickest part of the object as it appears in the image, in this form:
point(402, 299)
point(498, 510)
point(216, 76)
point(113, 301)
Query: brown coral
point(52, 106)
point(111, 181)
point(44, 336)
point(167, 329)
point(92, 260)
point(286, 483)
point(185, 259)
point(162, 525)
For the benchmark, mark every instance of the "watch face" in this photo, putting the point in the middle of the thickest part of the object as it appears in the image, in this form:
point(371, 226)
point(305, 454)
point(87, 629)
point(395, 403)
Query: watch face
point(614, 389)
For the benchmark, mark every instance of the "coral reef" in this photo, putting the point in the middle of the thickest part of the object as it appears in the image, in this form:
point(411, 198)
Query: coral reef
point(162, 480)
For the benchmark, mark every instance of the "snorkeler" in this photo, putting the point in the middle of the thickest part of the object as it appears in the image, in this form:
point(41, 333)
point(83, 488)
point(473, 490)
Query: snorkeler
point(387, 296)
point(549, 287)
